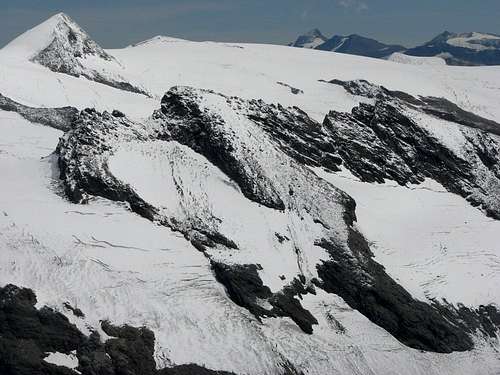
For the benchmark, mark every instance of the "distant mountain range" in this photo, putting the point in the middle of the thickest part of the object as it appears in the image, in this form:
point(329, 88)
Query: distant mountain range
point(471, 48)
point(462, 49)
point(351, 44)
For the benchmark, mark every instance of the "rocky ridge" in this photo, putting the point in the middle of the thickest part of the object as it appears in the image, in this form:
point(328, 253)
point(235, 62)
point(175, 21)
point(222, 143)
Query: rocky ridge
point(264, 150)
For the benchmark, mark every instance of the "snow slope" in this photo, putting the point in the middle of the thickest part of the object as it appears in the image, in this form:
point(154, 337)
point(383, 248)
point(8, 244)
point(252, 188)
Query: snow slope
point(118, 266)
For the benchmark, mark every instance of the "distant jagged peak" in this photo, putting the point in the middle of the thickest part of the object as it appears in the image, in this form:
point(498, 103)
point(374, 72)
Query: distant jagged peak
point(311, 39)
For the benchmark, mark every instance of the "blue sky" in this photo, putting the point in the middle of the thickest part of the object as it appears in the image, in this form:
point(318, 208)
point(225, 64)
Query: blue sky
point(118, 23)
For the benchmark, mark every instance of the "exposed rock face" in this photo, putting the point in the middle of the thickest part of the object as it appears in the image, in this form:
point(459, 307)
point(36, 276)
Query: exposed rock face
point(27, 335)
point(258, 154)
point(58, 118)
point(246, 289)
point(391, 144)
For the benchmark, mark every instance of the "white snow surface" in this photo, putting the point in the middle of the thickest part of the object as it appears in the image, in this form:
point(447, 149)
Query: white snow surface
point(113, 264)
point(65, 360)
point(415, 60)
point(432, 242)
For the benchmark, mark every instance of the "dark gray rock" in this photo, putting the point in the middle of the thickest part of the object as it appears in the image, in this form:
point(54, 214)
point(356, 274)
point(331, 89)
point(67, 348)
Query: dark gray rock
point(246, 289)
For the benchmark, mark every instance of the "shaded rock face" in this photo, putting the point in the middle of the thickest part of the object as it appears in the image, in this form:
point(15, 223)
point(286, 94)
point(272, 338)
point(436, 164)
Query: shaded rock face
point(266, 151)
point(27, 335)
point(57, 118)
point(246, 289)
point(390, 144)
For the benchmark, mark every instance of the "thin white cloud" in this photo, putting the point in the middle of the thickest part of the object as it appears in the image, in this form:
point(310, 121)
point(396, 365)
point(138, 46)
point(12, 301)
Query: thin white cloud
point(358, 5)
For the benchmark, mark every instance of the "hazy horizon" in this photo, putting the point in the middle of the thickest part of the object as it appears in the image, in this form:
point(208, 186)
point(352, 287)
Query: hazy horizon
point(279, 22)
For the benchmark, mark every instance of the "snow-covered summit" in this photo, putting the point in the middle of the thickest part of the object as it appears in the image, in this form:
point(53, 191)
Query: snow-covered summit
point(60, 33)
point(61, 45)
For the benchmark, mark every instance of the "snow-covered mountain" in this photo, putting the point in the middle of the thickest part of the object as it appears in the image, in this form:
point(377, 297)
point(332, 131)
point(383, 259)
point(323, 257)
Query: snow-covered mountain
point(62, 46)
point(311, 39)
point(359, 45)
point(350, 44)
point(243, 218)
point(454, 49)
point(462, 49)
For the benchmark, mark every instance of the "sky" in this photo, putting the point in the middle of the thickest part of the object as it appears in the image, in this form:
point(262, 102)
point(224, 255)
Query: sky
point(116, 24)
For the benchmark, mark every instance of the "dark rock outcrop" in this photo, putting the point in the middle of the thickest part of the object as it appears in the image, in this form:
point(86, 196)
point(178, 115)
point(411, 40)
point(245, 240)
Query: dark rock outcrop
point(386, 303)
point(246, 289)
point(57, 118)
point(27, 335)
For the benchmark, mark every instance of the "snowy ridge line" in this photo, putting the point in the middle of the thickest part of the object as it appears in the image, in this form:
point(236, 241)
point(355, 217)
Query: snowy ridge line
point(438, 107)
point(307, 213)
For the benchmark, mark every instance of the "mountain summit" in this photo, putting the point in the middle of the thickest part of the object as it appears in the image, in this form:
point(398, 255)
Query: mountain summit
point(61, 45)
point(56, 42)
